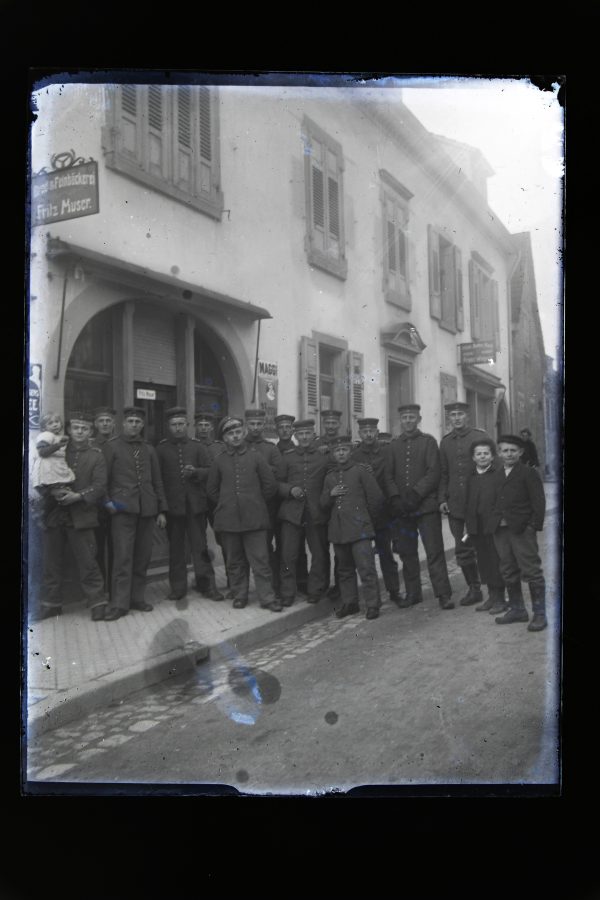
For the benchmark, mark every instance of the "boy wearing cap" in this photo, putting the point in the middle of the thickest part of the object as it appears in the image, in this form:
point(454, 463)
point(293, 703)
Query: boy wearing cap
point(354, 500)
point(412, 476)
point(456, 463)
point(372, 455)
point(136, 502)
point(184, 465)
point(70, 518)
point(301, 515)
point(240, 482)
point(517, 515)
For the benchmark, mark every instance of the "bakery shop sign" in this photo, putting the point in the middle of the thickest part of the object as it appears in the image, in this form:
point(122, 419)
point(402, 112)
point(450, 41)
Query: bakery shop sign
point(69, 191)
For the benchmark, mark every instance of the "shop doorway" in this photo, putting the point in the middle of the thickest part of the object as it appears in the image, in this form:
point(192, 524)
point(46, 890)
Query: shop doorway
point(155, 400)
point(399, 392)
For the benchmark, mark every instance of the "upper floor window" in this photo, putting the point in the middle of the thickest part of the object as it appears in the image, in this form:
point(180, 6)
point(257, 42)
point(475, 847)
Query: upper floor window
point(323, 168)
point(445, 282)
point(396, 269)
point(166, 136)
point(483, 294)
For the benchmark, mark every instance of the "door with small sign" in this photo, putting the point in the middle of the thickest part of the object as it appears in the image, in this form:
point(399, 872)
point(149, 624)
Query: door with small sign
point(155, 400)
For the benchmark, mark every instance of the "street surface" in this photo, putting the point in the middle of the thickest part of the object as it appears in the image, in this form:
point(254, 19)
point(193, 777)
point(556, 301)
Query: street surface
point(417, 696)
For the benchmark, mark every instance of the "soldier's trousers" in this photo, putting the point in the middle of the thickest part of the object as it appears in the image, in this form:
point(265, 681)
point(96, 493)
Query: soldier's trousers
point(353, 558)
point(406, 536)
point(465, 554)
point(104, 552)
point(83, 546)
point(389, 567)
point(292, 537)
point(243, 549)
point(132, 538)
point(194, 526)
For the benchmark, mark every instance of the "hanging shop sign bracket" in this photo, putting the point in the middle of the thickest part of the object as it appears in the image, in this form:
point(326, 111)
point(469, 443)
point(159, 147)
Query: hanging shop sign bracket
point(68, 191)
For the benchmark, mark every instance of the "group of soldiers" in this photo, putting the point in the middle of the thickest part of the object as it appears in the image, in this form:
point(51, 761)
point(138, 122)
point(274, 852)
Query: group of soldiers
point(267, 502)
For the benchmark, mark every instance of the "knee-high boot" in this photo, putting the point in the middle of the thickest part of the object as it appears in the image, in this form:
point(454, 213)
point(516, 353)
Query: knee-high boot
point(516, 606)
point(538, 605)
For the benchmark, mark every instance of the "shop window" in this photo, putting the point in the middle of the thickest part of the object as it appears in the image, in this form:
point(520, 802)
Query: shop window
point(445, 282)
point(209, 384)
point(323, 170)
point(331, 377)
point(483, 294)
point(89, 375)
point(166, 136)
point(395, 255)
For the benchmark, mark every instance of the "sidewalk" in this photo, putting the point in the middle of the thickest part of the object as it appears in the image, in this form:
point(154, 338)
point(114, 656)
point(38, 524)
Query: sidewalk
point(74, 664)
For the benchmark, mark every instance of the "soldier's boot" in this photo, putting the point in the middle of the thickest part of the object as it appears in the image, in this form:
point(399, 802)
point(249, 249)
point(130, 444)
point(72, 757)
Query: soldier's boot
point(474, 594)
point(499, 604)
point(538, 605)
point(516, 611)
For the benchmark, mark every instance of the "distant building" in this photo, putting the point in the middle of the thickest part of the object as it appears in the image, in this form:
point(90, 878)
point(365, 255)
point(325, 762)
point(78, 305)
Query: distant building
point(553, 417)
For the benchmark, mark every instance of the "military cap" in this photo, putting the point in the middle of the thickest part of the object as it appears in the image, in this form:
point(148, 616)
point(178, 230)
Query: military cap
point(104, 411)
point(134, 411)
point(284, 417)
point(208, 416)
point(341, 440)
point(512, 439)
point(255, 414)
point(80, 415)
point(331, 413)
point(409, 407)
point(364, 423)
point(228, 423)
point(456, 405)
point(175, 411)
point(303, 423)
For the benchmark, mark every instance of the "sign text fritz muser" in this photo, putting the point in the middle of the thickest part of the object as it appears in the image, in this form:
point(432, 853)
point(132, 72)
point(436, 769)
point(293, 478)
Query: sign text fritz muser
point(477, 353)
point(65, 194)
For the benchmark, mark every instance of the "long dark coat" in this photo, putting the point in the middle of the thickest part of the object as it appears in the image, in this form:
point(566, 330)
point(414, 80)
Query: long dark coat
point(89, 467)
point(353, 514)
point(305, 469)
point(414, 462)
point(173, 455)
point(456, 461)
point(479, 500)
point(239, 484)
point(134, 480)
point(374, 456)
point(519, 499)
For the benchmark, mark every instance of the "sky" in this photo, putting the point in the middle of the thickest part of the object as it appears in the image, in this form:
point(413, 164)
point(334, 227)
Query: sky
point(520, 130)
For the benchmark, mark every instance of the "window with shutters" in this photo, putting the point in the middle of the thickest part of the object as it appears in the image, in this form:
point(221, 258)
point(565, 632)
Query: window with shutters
point(445, 282)
point(323, 168)
point(483, 295)
point(395, 256)
point(166, 136)
point(331, 377)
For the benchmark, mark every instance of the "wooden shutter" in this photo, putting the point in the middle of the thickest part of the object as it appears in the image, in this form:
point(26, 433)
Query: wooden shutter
point(356, 387)
point(309, 377)
point(157, 116)
point(496, 315)
point(475, 301)
point(458, 280)
point(183, 138)
point(333, 200)
point(435, 298)
point(129, 129)
point(205, 119)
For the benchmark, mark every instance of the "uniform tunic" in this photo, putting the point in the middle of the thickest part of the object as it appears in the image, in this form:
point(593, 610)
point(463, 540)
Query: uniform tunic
point(74, 525)
point(104, 553)
point(457, 463)
point(187, 501)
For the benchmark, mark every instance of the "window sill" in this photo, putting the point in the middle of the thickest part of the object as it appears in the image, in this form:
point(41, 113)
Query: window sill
point(337, 267)
point(398, 299)
point(210, 206)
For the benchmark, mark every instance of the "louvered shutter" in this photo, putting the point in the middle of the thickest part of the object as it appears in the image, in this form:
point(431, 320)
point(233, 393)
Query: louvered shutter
point(129, 131)
point(183, 138)
point(356, 387)
point(333, 201)
point(475, 301)
point(205, 175)
point(156, 156)
point(309, 377)
point(460, 312)
point(435, 298)
point(496, 316)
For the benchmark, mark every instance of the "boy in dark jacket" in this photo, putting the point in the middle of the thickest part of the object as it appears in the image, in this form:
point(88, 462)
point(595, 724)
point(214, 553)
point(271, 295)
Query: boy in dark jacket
point(355, 500)
point(517, 514)
point(479, 500)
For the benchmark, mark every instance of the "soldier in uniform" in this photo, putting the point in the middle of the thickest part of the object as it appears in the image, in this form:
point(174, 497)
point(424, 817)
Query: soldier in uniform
point(331, 421)
point(412, 476)
point(184, 464)
point(372, 455)
point(285, 429)
point(240, 482)
point(301, 516)
point(104, 428)
point(255, 420)
point(456, 462)
point(136, 501)
point(70, 517)
point(384, 437)
point(205, 424)
point(352, 495)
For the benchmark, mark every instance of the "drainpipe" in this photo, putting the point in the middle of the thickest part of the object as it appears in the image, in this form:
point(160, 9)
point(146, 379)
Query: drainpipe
point(62, 321)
